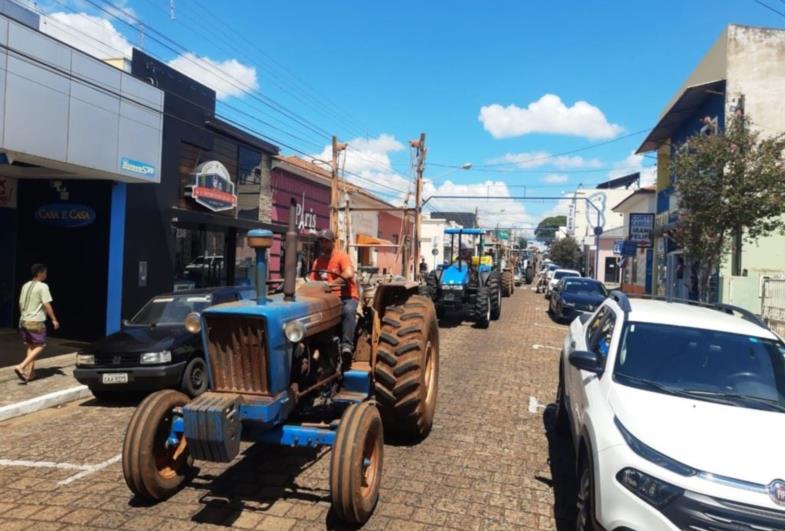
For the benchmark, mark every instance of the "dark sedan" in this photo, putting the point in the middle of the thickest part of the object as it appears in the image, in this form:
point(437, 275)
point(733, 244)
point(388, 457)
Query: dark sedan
point(573, 296)
point(153, 350)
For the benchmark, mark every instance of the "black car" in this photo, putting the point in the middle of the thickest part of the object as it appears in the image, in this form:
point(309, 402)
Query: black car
point(573, 296)
point(153, 350)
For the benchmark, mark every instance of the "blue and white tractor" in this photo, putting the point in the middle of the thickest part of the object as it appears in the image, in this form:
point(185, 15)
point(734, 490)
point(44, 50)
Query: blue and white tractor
point(277, 376)
point(468, 282)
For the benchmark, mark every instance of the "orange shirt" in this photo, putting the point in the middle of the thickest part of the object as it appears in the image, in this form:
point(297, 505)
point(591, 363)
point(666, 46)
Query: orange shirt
point(335, 264)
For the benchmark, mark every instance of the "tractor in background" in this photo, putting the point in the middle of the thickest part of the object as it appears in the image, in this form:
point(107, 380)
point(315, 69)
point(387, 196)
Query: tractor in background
point(276, 376)
point(468, 281)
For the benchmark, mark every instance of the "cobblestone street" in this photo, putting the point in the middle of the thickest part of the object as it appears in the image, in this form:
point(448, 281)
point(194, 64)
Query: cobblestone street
point(485, 465)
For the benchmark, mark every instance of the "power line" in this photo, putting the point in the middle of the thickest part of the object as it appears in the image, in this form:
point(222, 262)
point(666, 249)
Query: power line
point(780, 13)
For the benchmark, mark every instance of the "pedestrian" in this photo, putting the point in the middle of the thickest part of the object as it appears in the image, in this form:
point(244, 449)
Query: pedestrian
point(423, 267)
point(35, 303)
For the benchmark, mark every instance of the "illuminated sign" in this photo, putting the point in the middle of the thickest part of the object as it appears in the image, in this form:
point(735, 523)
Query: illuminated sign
point(212, 187)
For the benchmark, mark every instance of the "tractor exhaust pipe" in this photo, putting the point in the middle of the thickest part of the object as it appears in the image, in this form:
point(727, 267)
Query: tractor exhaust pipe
point(290, 262)
point(260, 240)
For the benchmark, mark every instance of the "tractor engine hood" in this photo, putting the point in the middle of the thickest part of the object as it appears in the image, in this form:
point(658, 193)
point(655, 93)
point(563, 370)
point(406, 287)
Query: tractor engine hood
point(456, 274)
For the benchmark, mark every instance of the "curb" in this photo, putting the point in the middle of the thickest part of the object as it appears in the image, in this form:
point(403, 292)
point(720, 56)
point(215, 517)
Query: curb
point(43, 402)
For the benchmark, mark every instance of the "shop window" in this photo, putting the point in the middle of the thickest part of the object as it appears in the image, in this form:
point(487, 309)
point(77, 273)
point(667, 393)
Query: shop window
point(249, 182)
point(199, 258)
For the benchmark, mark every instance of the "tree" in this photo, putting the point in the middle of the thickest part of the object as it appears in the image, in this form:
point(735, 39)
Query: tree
point(566, 252)
point(728, 185)
point(522, 243)
point(546, 229)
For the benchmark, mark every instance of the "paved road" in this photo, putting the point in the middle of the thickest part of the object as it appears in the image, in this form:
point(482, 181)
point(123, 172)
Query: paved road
point(485, 466)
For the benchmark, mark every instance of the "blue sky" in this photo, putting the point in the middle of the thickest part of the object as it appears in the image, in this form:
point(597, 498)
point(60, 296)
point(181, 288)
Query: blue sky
point(378, 73)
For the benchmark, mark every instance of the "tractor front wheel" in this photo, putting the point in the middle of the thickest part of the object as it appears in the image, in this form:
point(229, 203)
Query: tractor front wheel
point(482, 307)
point(154, 466)
point(356, 463)
point(508, 284)
point(406, 371)
point(495, 294)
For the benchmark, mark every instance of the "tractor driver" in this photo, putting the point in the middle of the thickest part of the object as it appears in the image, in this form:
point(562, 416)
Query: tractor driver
point(335, 267)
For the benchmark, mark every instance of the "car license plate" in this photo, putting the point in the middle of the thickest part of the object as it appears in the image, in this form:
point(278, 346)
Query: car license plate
point(114, 378)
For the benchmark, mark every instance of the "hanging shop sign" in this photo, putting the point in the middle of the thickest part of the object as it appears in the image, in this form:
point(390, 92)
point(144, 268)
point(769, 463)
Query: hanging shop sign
point(629, 248)
point(617, 247)
point(66, 215)
point(212, 187)
point(641, 229)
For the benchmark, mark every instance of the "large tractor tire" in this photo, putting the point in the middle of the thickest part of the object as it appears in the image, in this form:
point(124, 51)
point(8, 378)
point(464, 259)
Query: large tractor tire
point(508, 283)
point(407, 368)
point(430, 288)
point(482, 307)
point(153, 468)
point(356, 463)
point(495, 294)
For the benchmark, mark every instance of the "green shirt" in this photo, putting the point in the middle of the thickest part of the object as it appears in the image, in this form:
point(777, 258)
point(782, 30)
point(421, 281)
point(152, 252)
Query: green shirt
point(32, 299)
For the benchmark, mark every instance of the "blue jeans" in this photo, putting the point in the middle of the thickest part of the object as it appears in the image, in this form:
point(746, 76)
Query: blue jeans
point(349, 323)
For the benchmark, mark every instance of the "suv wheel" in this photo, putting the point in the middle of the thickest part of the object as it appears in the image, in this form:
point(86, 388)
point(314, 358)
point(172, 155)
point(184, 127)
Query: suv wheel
point(585, 518)
point(562, 420)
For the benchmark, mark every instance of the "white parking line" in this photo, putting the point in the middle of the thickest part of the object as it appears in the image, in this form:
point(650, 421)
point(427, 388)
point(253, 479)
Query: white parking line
point(534, 405)
point(84, 470)
point(538, 347)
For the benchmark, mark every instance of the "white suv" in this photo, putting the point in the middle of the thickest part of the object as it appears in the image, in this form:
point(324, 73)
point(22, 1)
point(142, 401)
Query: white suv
point(677, 413)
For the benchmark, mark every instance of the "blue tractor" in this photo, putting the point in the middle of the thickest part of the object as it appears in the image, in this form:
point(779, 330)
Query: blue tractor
point(276, 376)
point(468, 281)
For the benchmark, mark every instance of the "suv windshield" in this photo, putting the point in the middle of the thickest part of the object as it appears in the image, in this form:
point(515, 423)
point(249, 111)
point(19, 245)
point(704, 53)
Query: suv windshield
point(709, 365)
point(585, 287)
point(170, 310)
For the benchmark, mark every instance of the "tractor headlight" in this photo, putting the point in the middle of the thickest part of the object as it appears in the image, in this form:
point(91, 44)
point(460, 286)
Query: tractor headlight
point(165, 356)
point(193, 322)
point(294, 331)
point(85, 359)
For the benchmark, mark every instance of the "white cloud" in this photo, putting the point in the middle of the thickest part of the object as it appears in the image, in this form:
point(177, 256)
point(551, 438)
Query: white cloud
point(536, 159)
point(634, 163)
point(555, 178)
point(93, 35)
point(547, 115)
point(227, 78)
point(368, 165)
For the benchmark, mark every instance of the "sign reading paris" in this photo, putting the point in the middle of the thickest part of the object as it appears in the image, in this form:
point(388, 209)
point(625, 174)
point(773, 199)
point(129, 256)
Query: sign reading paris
point(212, 187)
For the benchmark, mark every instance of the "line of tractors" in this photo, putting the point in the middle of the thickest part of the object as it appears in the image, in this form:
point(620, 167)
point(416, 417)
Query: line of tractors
point(277, 376)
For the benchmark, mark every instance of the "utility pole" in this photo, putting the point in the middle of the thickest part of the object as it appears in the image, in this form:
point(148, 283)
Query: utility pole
point(419, 146)
point(334, 196)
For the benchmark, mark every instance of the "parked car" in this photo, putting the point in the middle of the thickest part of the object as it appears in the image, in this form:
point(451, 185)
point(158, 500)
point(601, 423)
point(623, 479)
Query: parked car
point(153, 350)
point(677, 415)
point(573, 296)
point(555, 276)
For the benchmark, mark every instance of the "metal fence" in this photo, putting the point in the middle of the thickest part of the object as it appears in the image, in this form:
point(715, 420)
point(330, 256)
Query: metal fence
point(773, 303)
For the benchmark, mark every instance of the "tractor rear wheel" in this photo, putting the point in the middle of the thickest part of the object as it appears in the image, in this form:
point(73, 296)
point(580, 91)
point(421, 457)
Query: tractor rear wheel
point(406, 371)
point(153, 468)
point(356, 463)
point(495, 294)
point(482, 307)
point(508, 285)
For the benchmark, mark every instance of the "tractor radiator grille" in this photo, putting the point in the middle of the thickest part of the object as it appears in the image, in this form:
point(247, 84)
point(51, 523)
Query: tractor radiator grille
point(237, 353)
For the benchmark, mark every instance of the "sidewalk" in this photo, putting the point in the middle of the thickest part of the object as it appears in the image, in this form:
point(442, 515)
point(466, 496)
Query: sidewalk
point(12, 350)
point(54, 385)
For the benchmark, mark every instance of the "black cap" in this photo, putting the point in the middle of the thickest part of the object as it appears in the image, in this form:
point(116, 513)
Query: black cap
point(326, 234)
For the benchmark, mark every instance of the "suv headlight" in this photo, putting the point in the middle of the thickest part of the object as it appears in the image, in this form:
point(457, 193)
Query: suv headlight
point(652, 490)
point(650, 454)
point(85, 359)
point(165, 356)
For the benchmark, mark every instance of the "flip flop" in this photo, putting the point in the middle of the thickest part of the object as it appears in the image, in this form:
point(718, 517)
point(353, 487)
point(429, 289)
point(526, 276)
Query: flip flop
point(20, 375)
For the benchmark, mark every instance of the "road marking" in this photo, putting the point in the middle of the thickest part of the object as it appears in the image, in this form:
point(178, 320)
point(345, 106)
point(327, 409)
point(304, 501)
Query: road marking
point(538, 347)
point(84, 470)
point(534, 405)
point(91, 469)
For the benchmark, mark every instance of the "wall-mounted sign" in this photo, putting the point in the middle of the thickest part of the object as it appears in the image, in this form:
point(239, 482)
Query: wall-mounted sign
point(306, 221)
point(66, 215)
point(212, 187)
point(629, 248)
point(641, 229)
point(617, 247)
point(7, 192)
point(134, 166)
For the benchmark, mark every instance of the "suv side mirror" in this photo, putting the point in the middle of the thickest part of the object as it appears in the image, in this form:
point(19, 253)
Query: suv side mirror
point(586, 361)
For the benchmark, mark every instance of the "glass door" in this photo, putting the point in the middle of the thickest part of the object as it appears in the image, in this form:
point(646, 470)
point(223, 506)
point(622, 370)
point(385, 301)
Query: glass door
point(199, 258)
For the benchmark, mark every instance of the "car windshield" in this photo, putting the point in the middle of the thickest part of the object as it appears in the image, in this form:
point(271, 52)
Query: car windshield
point(585, 287)
point(562, 274)
point(170, 310)
point(708, 365)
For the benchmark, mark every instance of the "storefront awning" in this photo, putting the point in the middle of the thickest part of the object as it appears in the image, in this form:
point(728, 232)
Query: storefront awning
point(183, 217)
point(363, 240)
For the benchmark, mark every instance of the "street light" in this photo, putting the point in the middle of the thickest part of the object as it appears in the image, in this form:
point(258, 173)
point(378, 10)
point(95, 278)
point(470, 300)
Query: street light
point(464, 166)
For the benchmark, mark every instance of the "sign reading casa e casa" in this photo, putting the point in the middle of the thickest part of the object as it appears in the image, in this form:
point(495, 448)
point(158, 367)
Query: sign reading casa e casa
point(641, 229)
point(134, 166)
point(212, 187)
point(66, 215)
